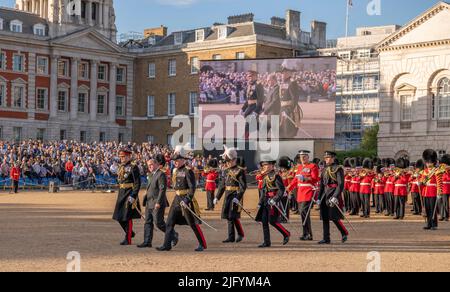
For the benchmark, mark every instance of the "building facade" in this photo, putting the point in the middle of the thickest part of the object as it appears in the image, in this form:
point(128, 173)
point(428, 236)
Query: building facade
point(358, 75)
point(63, 76)
point(167, 66)
point(415, 86)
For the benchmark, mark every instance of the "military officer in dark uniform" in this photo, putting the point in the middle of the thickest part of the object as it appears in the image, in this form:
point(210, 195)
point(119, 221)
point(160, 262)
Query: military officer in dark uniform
point(127, 206)
point(233, 185)
point(272, 193)
point(255, 100)
point(291, 113)
point(155, 201)
point(330, 196)
point(183, 180)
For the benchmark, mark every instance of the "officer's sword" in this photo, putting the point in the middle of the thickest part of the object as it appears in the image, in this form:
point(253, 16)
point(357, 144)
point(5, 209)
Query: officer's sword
point(310, 208)
point(183, 205)
point(243, 209)
point(282, 213)
point(345, 218)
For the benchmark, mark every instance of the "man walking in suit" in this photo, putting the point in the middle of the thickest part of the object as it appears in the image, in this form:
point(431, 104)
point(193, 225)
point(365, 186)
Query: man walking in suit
point(155, 201)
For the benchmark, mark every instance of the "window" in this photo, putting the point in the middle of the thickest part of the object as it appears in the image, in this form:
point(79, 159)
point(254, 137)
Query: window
point(222, 33)
point(406, 108)
point(199, 35)
point(17, 134)
point(41, 99)
point(120, 106)
point(83, 70)
point(63, 68)
point(39, 29)
point(178, 38)
point(150, 106)
point(172, 67)
point(102, 137)
point(240, 55)
point(82, 102)
point(102, 72)
point(151, 139)
point(40, 134)
point(2, 94)
point(16, 26)
point(2, 61)
point(171, 104)
point(217, 57)
point(345, 55)
point(101, 102)
point(444, 99)
point(1, 24)
point(195, 65)
point(363, 54)
point(121, 138)
point(120, 75)
point(62, 101)
point(18, 63)
point(151, 70)
point(193, 103)
point(170, 140)
point(62, 135)
point(42, 65)
point(83, 136)
point(18, 96)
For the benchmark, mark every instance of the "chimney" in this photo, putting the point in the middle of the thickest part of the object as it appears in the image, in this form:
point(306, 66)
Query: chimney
point(157, 31)
point(293, 26)
point(319, 34)
point(278, 21)
point(241, 18)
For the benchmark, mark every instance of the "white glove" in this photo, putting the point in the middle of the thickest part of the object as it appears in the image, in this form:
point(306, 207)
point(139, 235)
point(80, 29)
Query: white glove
point(318, 202)
point(215, 202)
point(272, 202)
point(131, 200)
point(236, 201)
point(183, 204)
point(334, 201)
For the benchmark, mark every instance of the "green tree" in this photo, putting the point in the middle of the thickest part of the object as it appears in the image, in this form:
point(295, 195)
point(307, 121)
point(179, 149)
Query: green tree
point(370, 139)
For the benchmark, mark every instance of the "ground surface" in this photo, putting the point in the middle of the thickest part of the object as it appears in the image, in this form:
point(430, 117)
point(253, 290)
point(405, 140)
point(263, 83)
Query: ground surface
point(39, 229)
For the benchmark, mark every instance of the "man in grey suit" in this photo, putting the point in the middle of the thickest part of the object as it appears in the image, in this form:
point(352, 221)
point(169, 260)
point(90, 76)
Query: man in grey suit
point(155, 201)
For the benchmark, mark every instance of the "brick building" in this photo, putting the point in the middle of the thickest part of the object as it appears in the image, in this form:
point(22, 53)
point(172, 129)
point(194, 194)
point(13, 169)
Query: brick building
point(63, 76)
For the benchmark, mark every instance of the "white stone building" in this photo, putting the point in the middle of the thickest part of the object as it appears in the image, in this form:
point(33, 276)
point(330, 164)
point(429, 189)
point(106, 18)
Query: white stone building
point(415, 86)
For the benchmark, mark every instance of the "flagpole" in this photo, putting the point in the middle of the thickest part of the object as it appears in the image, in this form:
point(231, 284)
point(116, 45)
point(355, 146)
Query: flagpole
point(347, 18)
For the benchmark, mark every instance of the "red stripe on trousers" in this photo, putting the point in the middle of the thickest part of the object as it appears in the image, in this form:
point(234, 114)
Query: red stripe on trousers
point(343, 227)
point(201, 235)
point(286, 233)
point(130, 230)
point(239, 226)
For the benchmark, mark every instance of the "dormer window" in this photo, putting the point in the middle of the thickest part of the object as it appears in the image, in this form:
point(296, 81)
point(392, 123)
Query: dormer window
point(222, 32)
point(178, 38)
point(16, 26)
point(1, 24)
point(200, 35)
point(151, 41)
point(39, 29)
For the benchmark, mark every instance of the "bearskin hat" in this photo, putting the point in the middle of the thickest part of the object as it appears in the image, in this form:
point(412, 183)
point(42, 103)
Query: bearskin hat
point(420, 164)
point(401, 163)
point(353, 162)
point(285, 162)
point(445, 159)
point(367, 163)
point(347, 163)
point(430, 156)
point(213, 163)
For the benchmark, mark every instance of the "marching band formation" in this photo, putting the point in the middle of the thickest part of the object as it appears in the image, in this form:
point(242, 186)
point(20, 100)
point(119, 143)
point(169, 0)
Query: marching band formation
point(285, 186)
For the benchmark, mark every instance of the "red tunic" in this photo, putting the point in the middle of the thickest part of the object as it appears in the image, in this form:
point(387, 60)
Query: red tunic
point(431, 186)
point(15, 174)
point(365, 186)
point(378, 185)
point(401, 186)
point(305, 181)
point(415, 186)
point(211, 178)
point(355, 184)
point(390, 185)
point(446, 184)
point(348, 182)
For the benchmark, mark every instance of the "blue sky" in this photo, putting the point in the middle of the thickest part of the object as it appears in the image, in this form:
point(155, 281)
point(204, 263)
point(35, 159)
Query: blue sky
point(135, 15)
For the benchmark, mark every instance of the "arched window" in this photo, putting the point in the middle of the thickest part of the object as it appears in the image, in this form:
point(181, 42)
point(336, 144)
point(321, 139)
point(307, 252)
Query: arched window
point(444, 98)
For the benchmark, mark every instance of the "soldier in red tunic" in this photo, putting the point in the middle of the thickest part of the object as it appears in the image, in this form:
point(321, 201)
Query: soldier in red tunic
point(432, 181)
point(444, 201)
point(211, 175)
point(416, 188)
point(378, 185)
point(400, 187)
point(365, 187)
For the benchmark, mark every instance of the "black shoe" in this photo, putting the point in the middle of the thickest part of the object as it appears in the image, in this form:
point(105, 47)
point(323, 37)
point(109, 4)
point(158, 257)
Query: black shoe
point(286, 240)
point(441, 219)
point(306, 238)
point(124, 242)
point(344, 239)
point(229, 240)
point(396, 218)
point(324, 242)
point(175, 239)
point(427, 228)
point(264, 245)
point(199, 249)
point(163, 248)
point(239, 239)
point(133, 235)
point(145, 245)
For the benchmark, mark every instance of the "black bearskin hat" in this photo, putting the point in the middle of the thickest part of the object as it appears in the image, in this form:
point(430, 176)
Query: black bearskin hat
point(430, 156)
